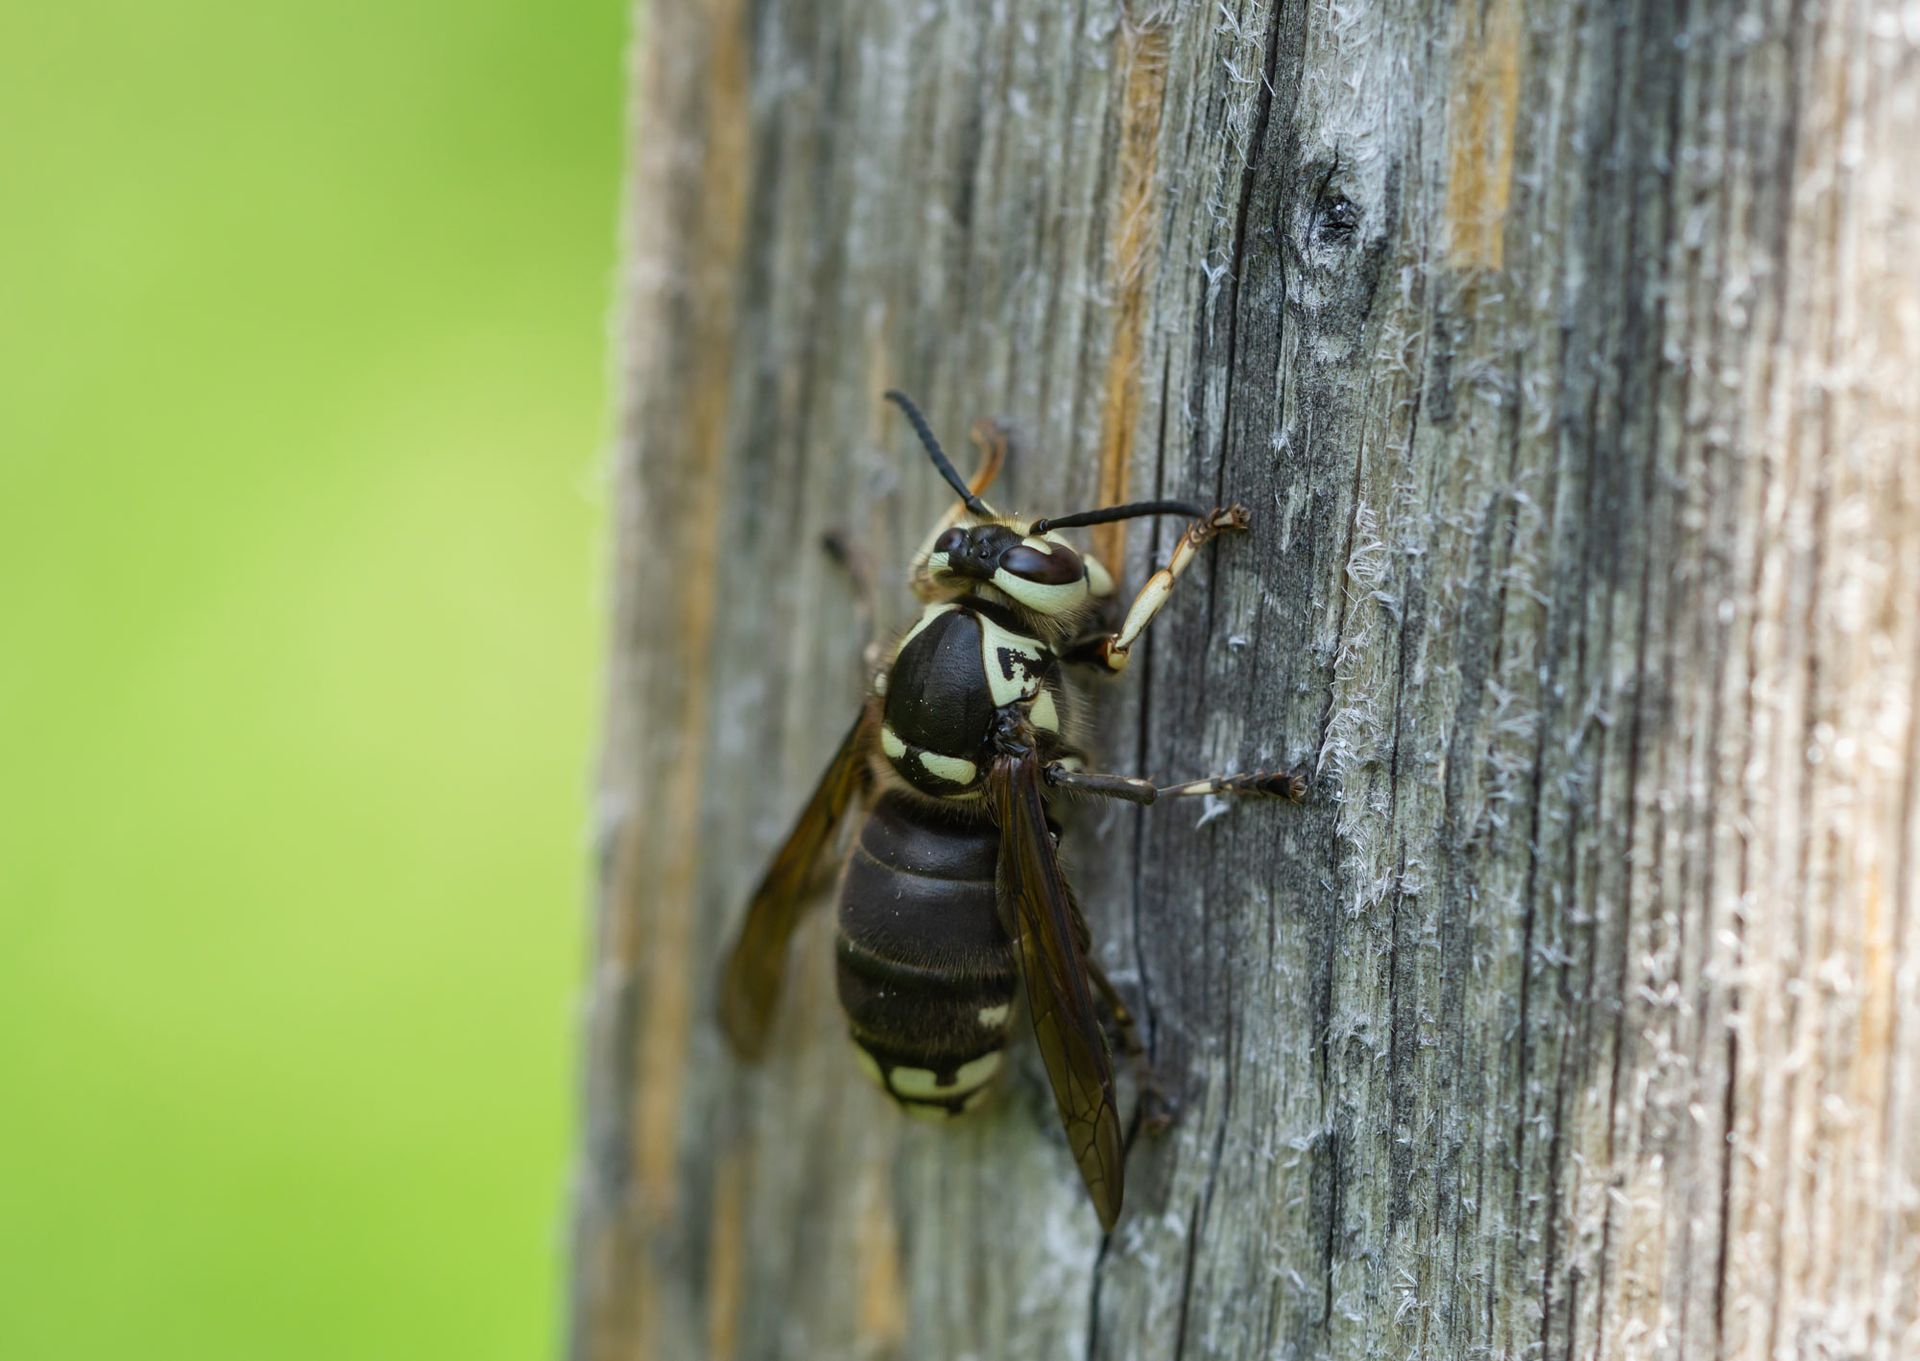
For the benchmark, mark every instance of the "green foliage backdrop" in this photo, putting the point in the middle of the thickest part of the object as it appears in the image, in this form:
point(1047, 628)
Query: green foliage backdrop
point(302, 407)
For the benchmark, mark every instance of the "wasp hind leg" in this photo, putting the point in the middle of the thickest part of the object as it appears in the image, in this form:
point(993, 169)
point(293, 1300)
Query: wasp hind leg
point(1157, 1109)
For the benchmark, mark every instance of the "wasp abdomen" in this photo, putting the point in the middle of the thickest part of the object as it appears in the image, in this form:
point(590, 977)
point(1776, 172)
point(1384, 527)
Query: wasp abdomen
point(926, 973)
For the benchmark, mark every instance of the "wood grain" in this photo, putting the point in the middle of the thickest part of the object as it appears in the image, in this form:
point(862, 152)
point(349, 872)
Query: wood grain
point(1566, 355)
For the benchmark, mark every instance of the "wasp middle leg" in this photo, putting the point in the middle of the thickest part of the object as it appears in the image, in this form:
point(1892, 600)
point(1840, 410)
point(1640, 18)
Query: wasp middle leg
point(1290, 785)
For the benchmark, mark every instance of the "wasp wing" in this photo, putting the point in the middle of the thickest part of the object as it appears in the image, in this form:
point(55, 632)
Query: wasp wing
point(750, 983)
point(1041, 916)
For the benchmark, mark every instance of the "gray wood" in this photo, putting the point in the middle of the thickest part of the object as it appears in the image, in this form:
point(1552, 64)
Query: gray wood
point(1566, 355)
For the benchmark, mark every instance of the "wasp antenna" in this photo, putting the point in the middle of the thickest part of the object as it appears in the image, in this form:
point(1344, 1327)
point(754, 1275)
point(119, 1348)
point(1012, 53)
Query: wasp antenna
point(1133, 511)
point(939, 456)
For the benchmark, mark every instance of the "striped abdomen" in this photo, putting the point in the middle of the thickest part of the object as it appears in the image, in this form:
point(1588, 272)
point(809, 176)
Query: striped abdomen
point(926, 974)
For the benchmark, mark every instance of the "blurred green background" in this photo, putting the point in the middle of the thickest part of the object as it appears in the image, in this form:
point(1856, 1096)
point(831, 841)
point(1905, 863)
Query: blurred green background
point(303, 319)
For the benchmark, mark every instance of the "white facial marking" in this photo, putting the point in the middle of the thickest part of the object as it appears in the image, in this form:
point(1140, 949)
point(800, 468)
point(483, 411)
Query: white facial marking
point(1099, 580)
point(1039, 596)
point(891, 744)
point(993, 1017)
point(923, 1082)
point(939, 1115)
point(955, 769)
point(1002, 651)
point(1044, 714)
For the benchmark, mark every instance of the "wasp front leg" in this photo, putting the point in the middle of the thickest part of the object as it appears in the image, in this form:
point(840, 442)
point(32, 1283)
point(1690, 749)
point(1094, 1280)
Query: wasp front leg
point(1114, 650)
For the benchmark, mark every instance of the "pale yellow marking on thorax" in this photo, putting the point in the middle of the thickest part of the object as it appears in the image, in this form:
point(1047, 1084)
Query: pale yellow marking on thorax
point(1026, 679)
point(927, 616)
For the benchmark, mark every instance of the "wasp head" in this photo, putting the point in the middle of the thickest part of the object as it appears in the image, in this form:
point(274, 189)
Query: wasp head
point(1040, 573)
point(1022, 563)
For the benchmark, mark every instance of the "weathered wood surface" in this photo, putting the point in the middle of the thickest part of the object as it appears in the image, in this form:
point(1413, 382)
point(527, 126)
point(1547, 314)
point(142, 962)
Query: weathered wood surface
point(1569, 356)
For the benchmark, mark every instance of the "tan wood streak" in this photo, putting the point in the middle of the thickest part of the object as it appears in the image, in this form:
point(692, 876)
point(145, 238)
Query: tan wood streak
point(1873, 1044)
point(612, 1298)
point(726, 1255)
point(1480, 117)
point(883, 1316)
point(1142, 55)
point(669, 883)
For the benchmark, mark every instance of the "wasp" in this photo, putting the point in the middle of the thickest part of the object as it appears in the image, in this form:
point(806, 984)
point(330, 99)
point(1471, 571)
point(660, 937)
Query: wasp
point(952, 895)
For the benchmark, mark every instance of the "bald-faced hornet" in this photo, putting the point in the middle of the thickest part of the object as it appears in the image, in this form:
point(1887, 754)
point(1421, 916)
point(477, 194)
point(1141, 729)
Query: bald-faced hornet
point(953, 893)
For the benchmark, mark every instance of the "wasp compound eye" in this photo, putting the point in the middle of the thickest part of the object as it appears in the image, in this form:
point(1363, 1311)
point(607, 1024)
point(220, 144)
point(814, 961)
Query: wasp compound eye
point(953, 541)
point(1057, 568)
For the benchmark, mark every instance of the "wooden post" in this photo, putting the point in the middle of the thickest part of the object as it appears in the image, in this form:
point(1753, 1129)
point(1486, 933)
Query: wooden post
point(1569, 358)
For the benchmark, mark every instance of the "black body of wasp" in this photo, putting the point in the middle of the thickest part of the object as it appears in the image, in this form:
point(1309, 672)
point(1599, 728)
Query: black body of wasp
point(953, 895)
